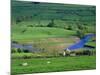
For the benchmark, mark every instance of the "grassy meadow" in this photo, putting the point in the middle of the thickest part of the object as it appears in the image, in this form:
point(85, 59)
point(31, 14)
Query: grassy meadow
point(39, 32)
point(39, 65)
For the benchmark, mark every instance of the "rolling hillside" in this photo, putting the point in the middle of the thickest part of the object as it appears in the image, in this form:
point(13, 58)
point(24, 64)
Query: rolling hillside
point(37, 14)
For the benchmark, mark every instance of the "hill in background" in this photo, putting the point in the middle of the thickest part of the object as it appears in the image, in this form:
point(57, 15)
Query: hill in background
point(41, 14)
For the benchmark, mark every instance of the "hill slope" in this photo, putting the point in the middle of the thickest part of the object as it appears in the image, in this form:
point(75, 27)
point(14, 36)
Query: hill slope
point(41, 13)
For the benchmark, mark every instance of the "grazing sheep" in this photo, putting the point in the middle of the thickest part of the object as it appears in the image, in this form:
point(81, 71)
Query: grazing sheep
point(48, 62)
point(24, 64)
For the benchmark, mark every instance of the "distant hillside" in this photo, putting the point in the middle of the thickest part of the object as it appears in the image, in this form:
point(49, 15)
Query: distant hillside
point(43, 13)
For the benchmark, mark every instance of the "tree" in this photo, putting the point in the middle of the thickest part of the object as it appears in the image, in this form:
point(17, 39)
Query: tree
point(18, 20)
point(13, 50)
point(69, 27)
point(19, 50)
point(51, 24)
point(26, 51)
point(80, 26)
point(80, 33)
point(81, 30)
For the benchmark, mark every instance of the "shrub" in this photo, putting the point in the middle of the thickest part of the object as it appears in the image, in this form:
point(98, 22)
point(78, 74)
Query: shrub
point(61, 54)
point(51, 24)
point(13, 50)
point(69, 27)
point(80, 33)
point(15, 42)
point(26, 51)
point(79, 52)
point(18, 20)
point(27, 57)
point(19, 50)
point(87, 52)
point(30, 26)
point(80, 26)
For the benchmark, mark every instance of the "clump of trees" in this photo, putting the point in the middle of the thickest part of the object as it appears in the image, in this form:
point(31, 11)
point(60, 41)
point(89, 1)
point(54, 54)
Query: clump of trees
point(81, 30)
point(16, 50)
point(23, 18)
point(19, 50)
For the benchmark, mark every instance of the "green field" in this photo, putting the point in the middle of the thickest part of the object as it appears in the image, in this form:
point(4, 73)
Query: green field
point(39, 32)
point(39, 65)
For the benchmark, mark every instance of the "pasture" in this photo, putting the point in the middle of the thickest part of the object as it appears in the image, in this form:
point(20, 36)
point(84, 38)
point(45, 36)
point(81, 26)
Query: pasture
point(39, 65)
point(38, 32)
